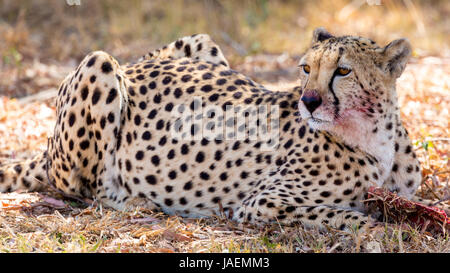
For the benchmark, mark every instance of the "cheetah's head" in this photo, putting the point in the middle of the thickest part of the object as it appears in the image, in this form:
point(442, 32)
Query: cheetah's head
point(349, 83)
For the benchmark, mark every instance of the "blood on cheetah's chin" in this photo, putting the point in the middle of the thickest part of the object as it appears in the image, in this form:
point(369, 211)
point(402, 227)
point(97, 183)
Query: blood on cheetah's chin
point(349, 125)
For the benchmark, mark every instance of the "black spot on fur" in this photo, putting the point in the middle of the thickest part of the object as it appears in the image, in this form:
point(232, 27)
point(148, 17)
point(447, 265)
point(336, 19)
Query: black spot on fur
point(111, 96)
point(178, 44)
point(107, 67)
point(96, 96)
point(214, 51)
point(91, 61)
point(187, 50)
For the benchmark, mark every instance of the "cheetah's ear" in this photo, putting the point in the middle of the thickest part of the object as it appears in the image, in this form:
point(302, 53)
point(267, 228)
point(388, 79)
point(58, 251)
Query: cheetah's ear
point(320, 34)
point(396, 55)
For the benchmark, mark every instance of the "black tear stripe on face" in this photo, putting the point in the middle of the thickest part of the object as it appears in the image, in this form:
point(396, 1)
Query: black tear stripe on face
point(306, 83)
point(330, 87)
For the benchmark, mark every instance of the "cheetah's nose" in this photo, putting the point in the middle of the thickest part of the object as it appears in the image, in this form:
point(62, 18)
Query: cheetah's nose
point(312, 100)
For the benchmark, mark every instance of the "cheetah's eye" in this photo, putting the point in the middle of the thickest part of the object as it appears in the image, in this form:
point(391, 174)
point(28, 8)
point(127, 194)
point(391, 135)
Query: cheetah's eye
point(341, 71)
point(306, 68)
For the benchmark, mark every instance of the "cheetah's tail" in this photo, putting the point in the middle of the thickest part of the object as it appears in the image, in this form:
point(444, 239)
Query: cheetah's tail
point(27, 175)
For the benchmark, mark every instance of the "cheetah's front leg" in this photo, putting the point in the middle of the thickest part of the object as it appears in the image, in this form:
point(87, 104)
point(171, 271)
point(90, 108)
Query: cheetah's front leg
point(264, 208)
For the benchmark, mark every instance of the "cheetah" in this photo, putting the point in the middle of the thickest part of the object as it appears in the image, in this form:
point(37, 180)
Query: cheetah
point(181, 132)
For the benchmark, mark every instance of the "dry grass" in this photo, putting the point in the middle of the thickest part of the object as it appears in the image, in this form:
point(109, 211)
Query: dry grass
point(40, 46)
point(30, 224)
